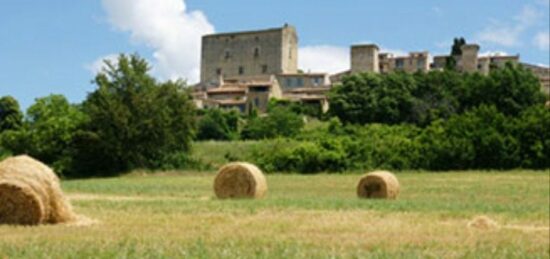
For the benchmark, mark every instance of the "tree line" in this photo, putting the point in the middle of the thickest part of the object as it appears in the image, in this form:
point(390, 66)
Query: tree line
point(440, 120)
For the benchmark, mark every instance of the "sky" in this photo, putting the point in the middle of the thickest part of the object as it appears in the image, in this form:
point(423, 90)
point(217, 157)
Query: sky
point(57, 46)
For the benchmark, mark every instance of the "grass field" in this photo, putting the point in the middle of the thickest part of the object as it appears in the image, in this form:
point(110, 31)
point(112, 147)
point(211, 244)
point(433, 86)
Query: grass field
point(175, 215)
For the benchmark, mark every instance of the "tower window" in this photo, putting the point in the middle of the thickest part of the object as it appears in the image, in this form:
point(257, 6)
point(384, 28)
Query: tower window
point(227, 54)
point(264, 69)
point(218, 71)
point(256, 52)
point(241, 70)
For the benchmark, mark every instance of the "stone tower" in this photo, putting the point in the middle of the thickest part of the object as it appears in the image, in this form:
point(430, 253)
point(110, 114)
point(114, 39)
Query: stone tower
point(468, 60)
point(249, 53)
point(364, 58)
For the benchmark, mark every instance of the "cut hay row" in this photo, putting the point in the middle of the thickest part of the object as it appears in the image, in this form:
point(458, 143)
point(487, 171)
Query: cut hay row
point(30, 194)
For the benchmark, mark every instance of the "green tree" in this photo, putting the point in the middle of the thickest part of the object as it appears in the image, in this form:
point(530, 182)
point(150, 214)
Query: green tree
point(456, 51)
point(280, 121)
point(47, 133)
point(436, 96)
point(216, 124)
point(366, 98)
point(532, 131)
point(135, 122)
point(511, 89)
point(11, 117)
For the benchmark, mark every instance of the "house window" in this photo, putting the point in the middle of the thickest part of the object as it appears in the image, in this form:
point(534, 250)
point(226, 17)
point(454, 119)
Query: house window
point(289, 82)
point(256, 52)
point(399, 63)
point(241, 70)
point(316, 81)
point(300, 82)
point(257, 102)
point(420, 64)
point(264, 69)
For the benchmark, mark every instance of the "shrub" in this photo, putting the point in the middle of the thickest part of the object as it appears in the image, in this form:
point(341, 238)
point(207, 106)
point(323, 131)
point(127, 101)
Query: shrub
point(280, 122)
point(216, 124)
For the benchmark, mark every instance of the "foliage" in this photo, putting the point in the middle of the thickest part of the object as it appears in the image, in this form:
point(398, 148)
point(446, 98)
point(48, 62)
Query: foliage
point(280, 121)
point(216, 124)
point(365, 98)
point(510, 89)
point(48, 131)
point(532, 131)
point(422, 98)
point(11, 117)
point(135, 122)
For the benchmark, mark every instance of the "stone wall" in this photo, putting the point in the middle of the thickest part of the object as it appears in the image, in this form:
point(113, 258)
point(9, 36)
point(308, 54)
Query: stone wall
point(271, 51)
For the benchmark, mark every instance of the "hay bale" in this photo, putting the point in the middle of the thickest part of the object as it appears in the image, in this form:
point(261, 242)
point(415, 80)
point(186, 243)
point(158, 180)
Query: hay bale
point(378, 184)
point(240, 180)
point(30, 193)
point(483, 222)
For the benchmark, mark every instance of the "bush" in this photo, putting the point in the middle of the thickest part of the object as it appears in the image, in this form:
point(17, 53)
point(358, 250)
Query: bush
point(280, 122)
point(477, 139)
point(532, 132)
point(216, 124)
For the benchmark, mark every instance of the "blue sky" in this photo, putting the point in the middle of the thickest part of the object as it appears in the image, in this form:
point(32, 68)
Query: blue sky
point(56, 46)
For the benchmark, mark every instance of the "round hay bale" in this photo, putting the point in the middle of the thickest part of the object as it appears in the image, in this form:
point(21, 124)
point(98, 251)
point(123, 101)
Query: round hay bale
point(240, 180)
point(30, 193)
point(378, 184)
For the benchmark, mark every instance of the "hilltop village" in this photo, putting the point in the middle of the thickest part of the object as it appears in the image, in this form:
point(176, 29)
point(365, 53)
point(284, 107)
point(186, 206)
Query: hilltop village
point(243, 70)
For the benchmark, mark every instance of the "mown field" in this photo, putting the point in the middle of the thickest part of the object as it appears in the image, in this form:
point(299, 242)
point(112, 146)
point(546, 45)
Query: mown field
point(175, 215)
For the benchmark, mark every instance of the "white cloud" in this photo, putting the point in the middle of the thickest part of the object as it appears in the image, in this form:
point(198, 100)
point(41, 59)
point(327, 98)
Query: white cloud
point(493, 53)
point(332, 59)
point(324, 58)
point(96, 66)
point(167, 27)
point(508, 34)
point(542, 40)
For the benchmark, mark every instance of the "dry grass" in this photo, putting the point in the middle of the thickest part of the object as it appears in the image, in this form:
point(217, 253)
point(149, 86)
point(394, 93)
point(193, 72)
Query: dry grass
point(303, 217)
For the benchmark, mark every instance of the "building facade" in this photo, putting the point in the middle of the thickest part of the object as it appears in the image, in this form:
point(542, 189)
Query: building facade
point(238, 54)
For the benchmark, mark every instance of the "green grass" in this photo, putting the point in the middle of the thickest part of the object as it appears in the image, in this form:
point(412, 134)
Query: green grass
point(171, 215)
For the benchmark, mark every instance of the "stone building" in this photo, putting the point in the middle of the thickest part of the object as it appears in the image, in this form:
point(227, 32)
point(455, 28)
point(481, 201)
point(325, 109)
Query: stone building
point(243, 94)
point(243, 70)
point(237, 54)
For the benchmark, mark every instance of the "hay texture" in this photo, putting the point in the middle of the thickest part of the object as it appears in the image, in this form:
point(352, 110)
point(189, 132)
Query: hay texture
point(240, 180)
point(378, 184)
point(30, 194)
point(483, 222)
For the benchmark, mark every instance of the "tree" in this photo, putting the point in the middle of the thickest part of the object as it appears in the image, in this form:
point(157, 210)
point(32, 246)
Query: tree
point(456, 51)
point(216, 124)
point(135, 122)
point(11, 117)
point(47, 132)
point(366, 98)
point(511, 89)
point(437, 96)
point(280, 121)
